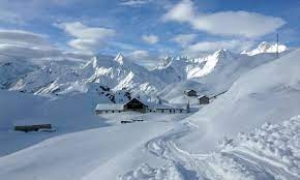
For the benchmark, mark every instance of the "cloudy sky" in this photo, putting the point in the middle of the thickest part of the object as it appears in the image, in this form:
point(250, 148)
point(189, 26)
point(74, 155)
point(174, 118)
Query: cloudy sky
point(144, 28)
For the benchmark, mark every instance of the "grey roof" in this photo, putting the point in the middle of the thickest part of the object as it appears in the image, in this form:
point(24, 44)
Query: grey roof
point(110, 107)
point(189, 90)
point(201, 96)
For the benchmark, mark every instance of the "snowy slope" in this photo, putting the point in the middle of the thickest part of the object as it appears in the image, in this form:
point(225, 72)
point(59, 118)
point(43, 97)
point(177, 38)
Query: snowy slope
point(261, 95)
point(97, 153)
point(240, 135)
point(176, 69)
point(269, 152)
point(11, 71)
point(174, 92)
point(213, 74)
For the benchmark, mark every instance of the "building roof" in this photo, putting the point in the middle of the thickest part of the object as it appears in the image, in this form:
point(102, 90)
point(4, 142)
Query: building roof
point(138, 99)
point(201, 96)
point(110, 107)
point(167, 107)
point(190, 90)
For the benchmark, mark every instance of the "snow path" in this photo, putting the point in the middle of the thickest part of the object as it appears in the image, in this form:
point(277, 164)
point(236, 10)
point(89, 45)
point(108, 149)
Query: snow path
point(238, 162)
point(191, 166)
point(186, 165)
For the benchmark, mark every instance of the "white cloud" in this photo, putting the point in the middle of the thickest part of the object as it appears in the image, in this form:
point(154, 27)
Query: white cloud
point(134, 3)
point(24, 44)
point(211, 46)
point(143, 58)
point(184, 39)
point(181, 12)
point(23, 38)
point(139, 55)
point(227, 23)
point(19, 44)
point(20, 52)
point(89, 39)
point(150, 39)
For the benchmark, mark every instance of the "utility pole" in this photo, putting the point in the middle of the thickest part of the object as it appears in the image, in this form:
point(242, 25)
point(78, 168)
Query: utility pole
point(277, 41)
point(188, 106)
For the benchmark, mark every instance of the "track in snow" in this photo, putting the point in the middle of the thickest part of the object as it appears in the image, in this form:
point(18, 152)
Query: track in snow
point(232, 164)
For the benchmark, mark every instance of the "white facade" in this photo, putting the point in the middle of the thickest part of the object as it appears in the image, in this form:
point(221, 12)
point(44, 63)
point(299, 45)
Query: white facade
point(109, 108)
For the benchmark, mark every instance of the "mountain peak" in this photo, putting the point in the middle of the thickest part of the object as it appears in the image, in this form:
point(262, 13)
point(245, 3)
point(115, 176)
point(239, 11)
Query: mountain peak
point(120, 58)
point(265, 47)
point(93, 62)
point(223, 53)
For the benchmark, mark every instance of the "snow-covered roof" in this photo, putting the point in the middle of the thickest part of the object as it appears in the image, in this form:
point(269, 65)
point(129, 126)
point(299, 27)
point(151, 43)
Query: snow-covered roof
point(110, 106)
point(164, 106)
point(201, 96)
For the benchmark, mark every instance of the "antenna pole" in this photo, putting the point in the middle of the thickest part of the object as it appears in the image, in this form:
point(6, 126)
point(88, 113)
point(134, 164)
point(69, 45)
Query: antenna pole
point(277, 41)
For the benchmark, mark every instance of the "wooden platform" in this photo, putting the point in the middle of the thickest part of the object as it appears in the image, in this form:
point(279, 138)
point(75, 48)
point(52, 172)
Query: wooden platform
point(35, 127)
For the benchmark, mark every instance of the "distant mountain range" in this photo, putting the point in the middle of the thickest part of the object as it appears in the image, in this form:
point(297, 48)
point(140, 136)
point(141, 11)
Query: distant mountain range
point(214, 73)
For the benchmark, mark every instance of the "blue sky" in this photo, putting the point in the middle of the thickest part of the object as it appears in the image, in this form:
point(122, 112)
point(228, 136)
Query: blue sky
point(146, 28)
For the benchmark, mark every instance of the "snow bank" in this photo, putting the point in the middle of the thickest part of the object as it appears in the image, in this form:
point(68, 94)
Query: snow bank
point(267, 93)
point(145, 172)
point(268, 152)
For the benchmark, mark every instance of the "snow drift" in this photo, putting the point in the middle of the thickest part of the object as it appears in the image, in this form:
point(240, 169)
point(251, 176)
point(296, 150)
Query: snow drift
point(270, 92)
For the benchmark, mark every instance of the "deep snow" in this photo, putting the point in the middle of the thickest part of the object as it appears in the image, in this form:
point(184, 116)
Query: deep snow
point(227, 139)
point(204, 145)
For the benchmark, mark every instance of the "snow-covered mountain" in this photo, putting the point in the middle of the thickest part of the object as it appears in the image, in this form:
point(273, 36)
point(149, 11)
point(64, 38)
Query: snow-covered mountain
point(210, 75)
point(12, 71)
point(265, 47)
point(213, 73)
point(65, 77)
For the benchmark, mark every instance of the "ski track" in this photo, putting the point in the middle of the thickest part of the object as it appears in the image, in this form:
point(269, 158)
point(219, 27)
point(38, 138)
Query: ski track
point(236, 163)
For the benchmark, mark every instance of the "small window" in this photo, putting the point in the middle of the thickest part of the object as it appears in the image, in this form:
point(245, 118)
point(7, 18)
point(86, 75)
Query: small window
point(113, 111)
